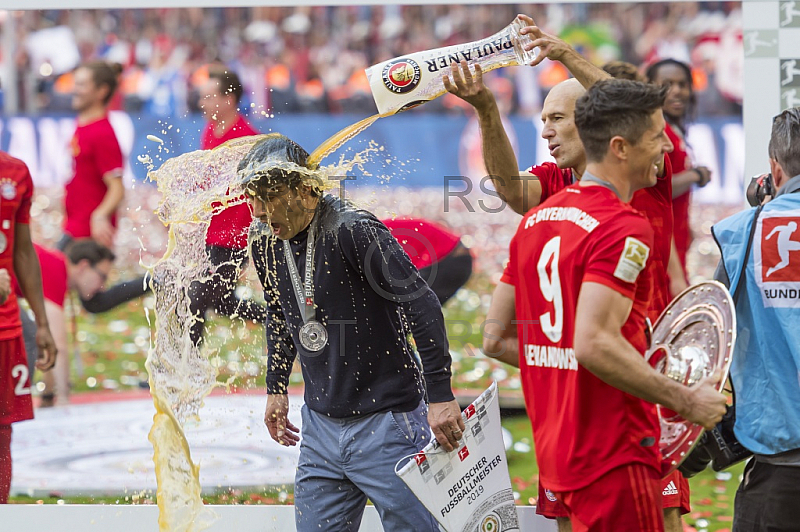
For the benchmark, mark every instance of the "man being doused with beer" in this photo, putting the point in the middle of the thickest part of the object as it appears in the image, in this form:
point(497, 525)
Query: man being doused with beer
point(343, 295)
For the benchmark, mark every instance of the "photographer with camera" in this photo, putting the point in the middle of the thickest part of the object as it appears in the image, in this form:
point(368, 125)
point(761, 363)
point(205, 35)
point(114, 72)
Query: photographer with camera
point(761, 266)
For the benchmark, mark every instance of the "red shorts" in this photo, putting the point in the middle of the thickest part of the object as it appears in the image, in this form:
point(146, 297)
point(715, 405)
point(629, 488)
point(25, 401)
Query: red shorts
point(15, 383)
point(675, 492)
point(626, 498)
point(547, 504)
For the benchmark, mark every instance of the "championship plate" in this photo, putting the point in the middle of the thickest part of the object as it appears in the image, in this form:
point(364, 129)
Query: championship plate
point(692, 338)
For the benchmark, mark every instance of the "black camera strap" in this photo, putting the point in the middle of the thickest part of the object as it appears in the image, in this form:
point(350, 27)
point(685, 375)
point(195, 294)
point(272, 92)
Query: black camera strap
point(743, 272)
point(740, 284)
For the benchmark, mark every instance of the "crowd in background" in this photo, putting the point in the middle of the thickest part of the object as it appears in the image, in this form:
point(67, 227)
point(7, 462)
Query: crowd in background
point(312, 59)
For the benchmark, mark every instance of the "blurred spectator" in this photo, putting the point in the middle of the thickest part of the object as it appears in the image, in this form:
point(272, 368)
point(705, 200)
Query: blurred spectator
point(678, 110)
point(84, 268)
point(226, 237)
point(94, 193)
point(311, 59)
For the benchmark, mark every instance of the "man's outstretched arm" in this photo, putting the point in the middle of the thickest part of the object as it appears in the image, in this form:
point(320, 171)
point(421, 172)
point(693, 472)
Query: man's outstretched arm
point(520, 190)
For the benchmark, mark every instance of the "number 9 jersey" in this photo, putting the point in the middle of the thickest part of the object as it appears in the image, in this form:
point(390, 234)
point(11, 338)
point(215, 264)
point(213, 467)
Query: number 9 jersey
point(582, 427)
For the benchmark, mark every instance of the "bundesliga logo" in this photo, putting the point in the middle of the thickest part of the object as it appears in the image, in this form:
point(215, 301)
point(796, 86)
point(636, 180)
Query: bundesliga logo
point(463, 453)
point(401, 76)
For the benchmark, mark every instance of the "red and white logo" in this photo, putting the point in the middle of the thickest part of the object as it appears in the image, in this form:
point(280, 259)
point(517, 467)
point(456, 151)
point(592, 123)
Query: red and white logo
point(8, 190)
point(470, 411)
point(776, 256)
point(419, 458)
point(463, 453)
point(780, 244)
point(401, 76)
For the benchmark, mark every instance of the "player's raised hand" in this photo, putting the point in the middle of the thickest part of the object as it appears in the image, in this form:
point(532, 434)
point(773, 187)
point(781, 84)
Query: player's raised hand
point(549, 45)
point(467, 86)
point(706, 405)
point(276, 417)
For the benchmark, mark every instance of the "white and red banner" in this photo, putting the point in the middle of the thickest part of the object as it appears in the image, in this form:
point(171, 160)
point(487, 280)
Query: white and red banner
point(468, 489)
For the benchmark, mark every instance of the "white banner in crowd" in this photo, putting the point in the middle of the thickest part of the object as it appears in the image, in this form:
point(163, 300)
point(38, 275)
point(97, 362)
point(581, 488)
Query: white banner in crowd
point(468, 489)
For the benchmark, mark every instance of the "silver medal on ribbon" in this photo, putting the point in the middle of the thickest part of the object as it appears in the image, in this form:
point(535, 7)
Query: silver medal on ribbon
point(313, 336)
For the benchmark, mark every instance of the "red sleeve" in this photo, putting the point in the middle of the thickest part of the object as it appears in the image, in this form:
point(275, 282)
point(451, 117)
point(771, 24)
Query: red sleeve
point(552, 178)
point(107, 153)
point(510, 271)
point(678, 156)
point(663, 184)
point(23, 215)
point(54, 275)
point(620, 254)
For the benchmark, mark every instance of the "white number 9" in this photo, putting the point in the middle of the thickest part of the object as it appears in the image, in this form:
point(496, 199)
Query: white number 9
point(552, 326)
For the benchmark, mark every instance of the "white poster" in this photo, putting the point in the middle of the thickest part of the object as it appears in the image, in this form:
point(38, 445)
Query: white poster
point(468, 489)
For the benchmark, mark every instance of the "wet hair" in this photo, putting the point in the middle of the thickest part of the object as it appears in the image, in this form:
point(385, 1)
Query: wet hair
point(104, 73)
point(229, 82)
point(615, 107)
point(261, 177)
point(784, 143)
point(652, 73)
point(623, 70)
point(87, 249)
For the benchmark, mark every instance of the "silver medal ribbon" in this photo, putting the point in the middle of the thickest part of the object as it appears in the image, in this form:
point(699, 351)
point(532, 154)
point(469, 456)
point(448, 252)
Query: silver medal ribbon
point(313, 335)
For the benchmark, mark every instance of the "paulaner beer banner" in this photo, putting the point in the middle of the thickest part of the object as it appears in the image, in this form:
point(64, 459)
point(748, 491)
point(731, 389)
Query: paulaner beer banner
point(405, 82)
point(468, 489)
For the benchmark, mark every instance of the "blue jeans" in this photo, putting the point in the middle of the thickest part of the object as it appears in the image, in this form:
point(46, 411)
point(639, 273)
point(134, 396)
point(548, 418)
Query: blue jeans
point(345, 461)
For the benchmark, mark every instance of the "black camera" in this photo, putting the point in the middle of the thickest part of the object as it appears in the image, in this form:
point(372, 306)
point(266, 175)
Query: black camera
point(718, 447)
point(760, 187)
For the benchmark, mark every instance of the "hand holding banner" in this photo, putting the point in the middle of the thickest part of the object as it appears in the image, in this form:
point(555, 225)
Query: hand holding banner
point(468, 489)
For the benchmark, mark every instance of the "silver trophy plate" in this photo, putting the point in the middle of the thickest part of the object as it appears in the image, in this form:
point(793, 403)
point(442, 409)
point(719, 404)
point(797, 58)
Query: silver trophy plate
point(692, 338)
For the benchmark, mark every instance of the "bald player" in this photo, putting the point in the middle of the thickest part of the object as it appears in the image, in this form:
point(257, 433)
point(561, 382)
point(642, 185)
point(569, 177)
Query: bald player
point(527, 189)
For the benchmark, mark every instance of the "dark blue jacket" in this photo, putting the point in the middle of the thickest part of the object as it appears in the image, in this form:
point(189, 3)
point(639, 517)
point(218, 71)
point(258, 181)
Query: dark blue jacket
point(369, 296)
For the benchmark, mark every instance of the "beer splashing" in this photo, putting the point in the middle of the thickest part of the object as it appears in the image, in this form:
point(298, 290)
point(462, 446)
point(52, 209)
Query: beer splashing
point(194, 187)
point(337, 140)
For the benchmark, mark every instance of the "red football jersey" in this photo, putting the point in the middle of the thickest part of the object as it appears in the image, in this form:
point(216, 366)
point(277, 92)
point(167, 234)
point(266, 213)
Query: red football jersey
point(54, 274)
point(552, 178)
point(656, 204)
point(229, 227)
point(95, 152)
point(16, 191)
point(681, 161)
point(424, 242)
point(582, 427)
